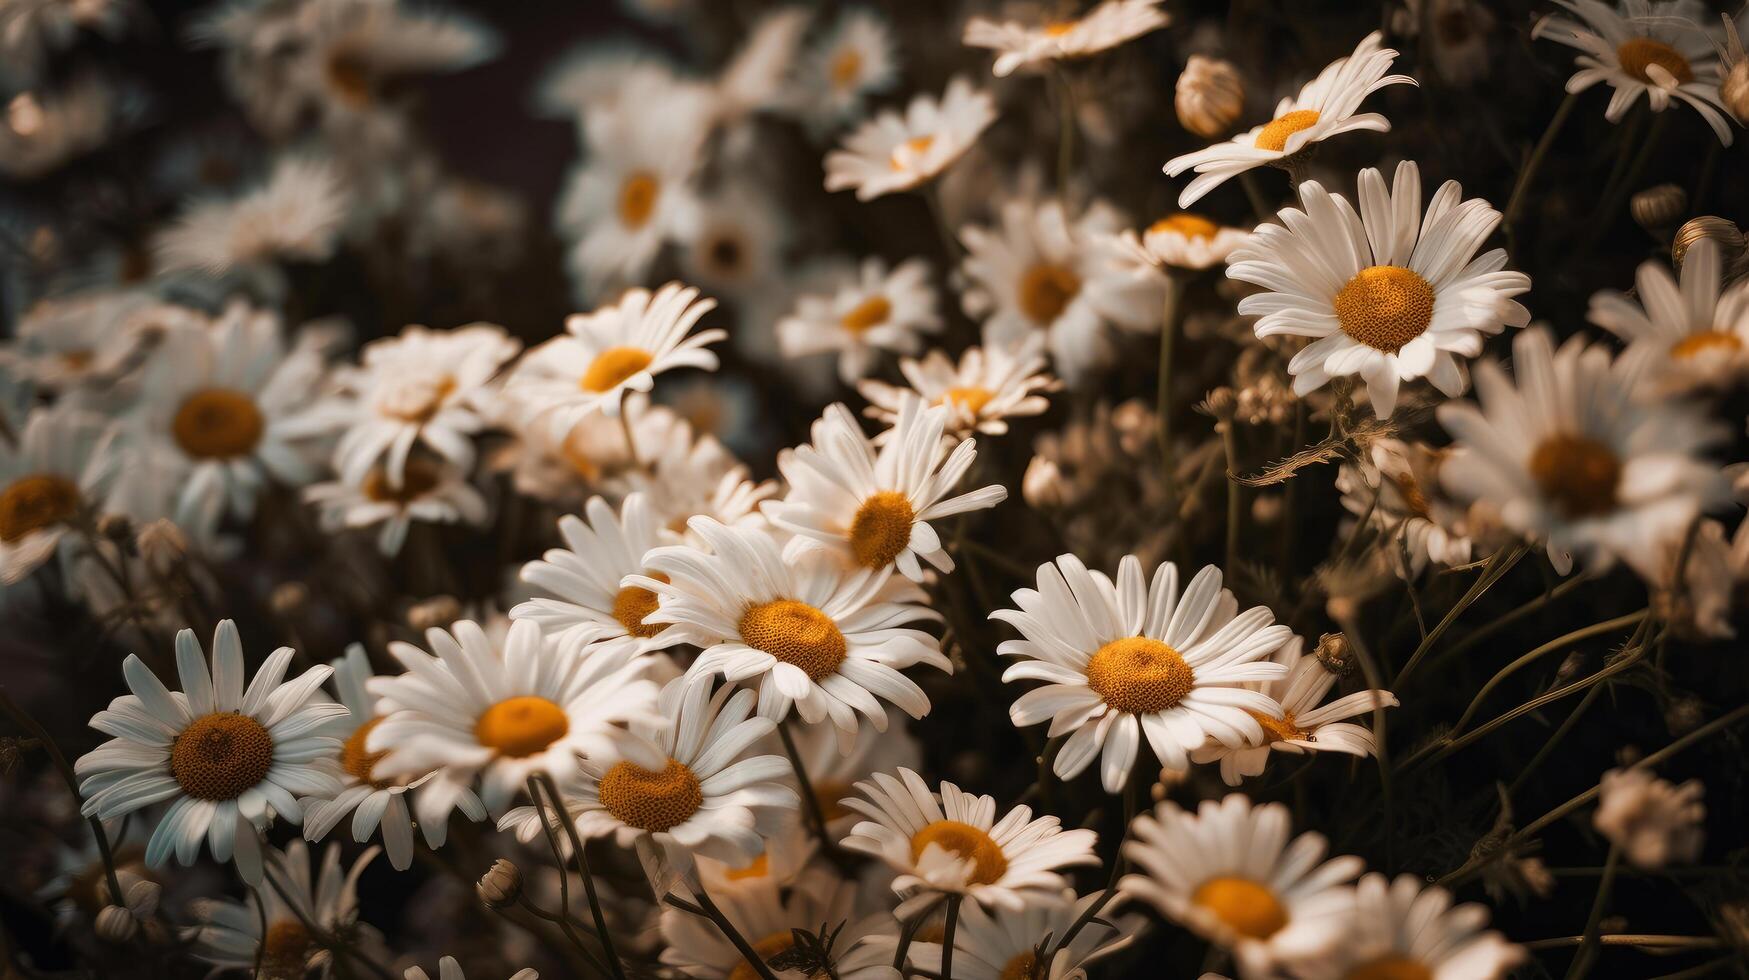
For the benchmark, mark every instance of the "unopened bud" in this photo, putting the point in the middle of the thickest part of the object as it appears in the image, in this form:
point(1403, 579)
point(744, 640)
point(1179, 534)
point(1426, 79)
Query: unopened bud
point(501, 885)
point(1209, 96)
point(116, 925)
point(1720, 230)
point(1334, 653)
point(1659, 208)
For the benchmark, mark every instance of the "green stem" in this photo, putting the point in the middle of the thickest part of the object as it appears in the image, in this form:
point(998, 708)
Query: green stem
point(1235, 493)
point(1558, 643)
point(1630, 939)
point(1370, 671)
point(1587, 954)
point(1548, 746)
point(1504, 620)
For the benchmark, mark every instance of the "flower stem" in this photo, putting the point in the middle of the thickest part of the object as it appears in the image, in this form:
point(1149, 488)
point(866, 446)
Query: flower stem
point(1515, 203)
point(1587, 954)
point(953, 921)
point(1498, 565)
point(810, 802)
point(41, 734)
point(734, 936)
point(625, 425)
point(601, 930)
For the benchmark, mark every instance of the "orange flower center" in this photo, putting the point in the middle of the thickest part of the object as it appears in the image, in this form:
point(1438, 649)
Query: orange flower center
point(846, 69)
point(972, 398)
point(359, 761)
point(633, 603)
point(1188, 225)
point(1390, 967)
point(1273, 136)
point(1280, 729)
point(418, 477)
point(1640, 53)
point(1705, 342)
point(1045, 291)
point(286, 949)
point(613, 366)
point(989, 864)
point(217, 423)
point(1385, 307)
point(350, 79)
point(1578, 474)
point(521, 726)
point(1139, 675)
point(219, 756)
point(1246, 907)
point(34, 502)
point(906, 154)
point(795, 633)
point(871, 312)
point(650, 800)
point(1021, 967)
point(637, 198)
point(881, 528)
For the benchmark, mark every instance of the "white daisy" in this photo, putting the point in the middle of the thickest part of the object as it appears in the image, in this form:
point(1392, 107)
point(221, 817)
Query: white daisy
point(854, 59)
point(1658, 48)
point(865, 311)
point(1403, 928)
point(374, 802)
point(267, 932)
point(295, 215)
point(1569, 456)
point(566, 467)
point(90, 337)
point(685, 476)
point(449, 968)
point(1184, 241)
point(1389, 294)
point(809, 632)
point(612, 351)
point(1040, 272)
point(786, 854)
point(685, 778)
point(51, 474)
point(429, 492)
point(1003, 944)
point(1229, 873)
point(502, 711)
point(1105, 26)
point(987, 387)
point(833, 772)
point(894, 152)
point(1131, 659)
point(1697, 338)
point(952, 843)
point(1324, 108)
point(873, 506)
point(1306, 724)
point(228, 759)
point(735, 247)
point(767, 917)
point(1399, 488)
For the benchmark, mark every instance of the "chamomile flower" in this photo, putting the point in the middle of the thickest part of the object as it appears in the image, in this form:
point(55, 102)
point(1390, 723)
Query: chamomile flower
point(1306, 725)
point(1397, 492)
point(449, 968)
point(502, 711)
point(225, 758)
point(295, 215)
point(1229, 873)
point(987, 387)
point(49, 476)
point(952, 843)
point(685, 778)
point(1696, 336)
point(809, 633)
point(429, 492)
point(894, 152)
point(865, 310)
point(854, 59)
point(1184, 241)
point(267, 932)
point(1403, 927)
point(381, 803)
point(833, 771)
point(1104, 27)
point(1134, 659)
point(1002, 944)
point(686, 475)
point(873, 506)
point(1655, 48)
point(1325, 107)
point(1571, 458)
point(614, 350)
point(767, 918)
point(1390, 293)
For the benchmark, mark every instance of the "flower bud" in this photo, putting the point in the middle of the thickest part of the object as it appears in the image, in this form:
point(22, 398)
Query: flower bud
point(1209, 97)
point(1726, 233)
point(1334, 654)
point(116, 925)
point(1658, 208)
point(501, 885)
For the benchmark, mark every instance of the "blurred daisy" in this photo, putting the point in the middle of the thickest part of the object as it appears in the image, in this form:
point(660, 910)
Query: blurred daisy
point(1658, 48)
point(1105, 26)
point(1184, 241)
point(806, 632)
point(1131, 659)
point(1403, 928)
point(1695, 337)
point(267, 932)
point(1459, 32)
point(294, 216)
point(501, 710)
point(873, 506)
point(952, 843)
point(868, 310)
point(1003, 944)
point(1390, 294)
point(687, 476)
point(987, 387)
point(614, 350)
point(1654, 822)
point(1306, 726)
point(756, 77)
point(1397, 492)
point(226, 759)
point(767, 918)
point(833, 771)
point(564, 467)
point(854, 59)
point(787, 853)
point(50, 476)
point(735, 246)
point(685, 778)
point(41, 131)
point(1324, 108)
point(1039, 272)
point(89, 337)
point(1569, 457)
point(1229, 873)
point(448, 968)
point(375, 802)
point(894, 152)
point(429, 492)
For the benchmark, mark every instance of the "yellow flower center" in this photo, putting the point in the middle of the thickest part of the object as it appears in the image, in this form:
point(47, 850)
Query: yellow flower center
point(1578, 474)
point(34, 502)
point(1705, 342)
point(359, 761)
point(418, 477)
point(1385, 307)
point(846, 69)
point(349, 78)
point(1273, 136)
point(637, 198)
point(1390, 967)
point(989, 864)
point(521, 726)
point(219, 756)
point(1021, 967)
point(906, 154)
point(633, 603)
point(1246, 907)
point(1639, 53)
point(759, 867)
point(1139, 675)
point(217, 423)
point(1280, 729)
point(1060, 27)
point(649, 800)
point(1188, 225)
point(1045, 291)
point(972, 399)
point(612, 367)
point(795, 633)
point(770, 946)
point(881, 528)
point(286, 949)
point(871, 312)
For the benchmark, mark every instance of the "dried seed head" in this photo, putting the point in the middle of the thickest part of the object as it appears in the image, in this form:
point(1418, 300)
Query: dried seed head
point(1726, 233)
point(1209, 96)
point(1658, 208)
point(1221, 403)
point(501, 885)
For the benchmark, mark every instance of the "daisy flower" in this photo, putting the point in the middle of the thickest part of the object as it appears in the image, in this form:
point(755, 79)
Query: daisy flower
point(1657, 48)
point(854, 59)
point(1404, 928)
point(685, 778)
point(502, 711)
point(806, 632)
point(1002, 944)
point(833, 772)
point(952, 843)
point(987, 387)
point(1390, 294)
point(615, 350)
point(868, 310)
point(1039, 272)
point(736, 246)
point(688, 475)
point(225, 758)
point(295, 216)
point(1306, 725)
point(88, 337)
point(873, 506)
point(374, 802)
point(1105, 26)
point(1399, 488)
point(1324, 108)
point(428, 492)
point(49, 476)
point(894, 152)
point(1571, 458)
point(1695, 336)
point(1229, 873)
point(1184, 241)
point(449, 968)
point(767, 918)
point(266, 932)
point(1136, 658)
point(786, 854)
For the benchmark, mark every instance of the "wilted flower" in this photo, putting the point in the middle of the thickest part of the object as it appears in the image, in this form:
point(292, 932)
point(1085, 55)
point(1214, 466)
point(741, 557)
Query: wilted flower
point(1654, 822)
